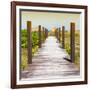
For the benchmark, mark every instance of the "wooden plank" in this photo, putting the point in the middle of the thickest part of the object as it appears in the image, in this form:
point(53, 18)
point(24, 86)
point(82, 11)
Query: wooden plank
point(39, 36)
point(63, 36)
point(29, 42)
point(72, 41)
point(49, 63)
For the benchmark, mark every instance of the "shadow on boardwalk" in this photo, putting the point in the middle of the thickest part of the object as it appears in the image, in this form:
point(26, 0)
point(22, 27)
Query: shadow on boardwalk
point(49, 63)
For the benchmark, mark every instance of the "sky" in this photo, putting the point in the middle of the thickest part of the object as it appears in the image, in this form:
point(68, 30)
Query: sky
point(49, 19)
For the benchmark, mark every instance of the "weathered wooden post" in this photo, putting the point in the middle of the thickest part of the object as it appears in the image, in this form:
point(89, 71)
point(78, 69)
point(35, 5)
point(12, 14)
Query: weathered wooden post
point(29, 42)
point(63, 36)
point(72, 41)
point(46, 33)
point(43, 34)
point(59, 34)
point(39, 35)
point(56, 33)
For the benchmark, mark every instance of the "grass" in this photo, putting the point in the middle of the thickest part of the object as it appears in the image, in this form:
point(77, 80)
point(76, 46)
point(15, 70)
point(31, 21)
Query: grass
point(24, 56)
point(24, 52)
point(24, 42)
point(77, 46)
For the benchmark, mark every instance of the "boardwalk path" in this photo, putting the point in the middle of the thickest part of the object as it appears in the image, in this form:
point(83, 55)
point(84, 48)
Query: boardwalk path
point(49, 63)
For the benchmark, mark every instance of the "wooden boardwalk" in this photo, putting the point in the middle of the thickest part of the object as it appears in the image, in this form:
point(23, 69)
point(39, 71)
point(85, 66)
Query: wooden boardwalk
point(49, 62)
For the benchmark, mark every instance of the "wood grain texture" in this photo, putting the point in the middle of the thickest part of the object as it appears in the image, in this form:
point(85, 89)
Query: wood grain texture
point(29, 42)
point(39, 33)
point(63, 37)
point(49, 63)
point(72, 41)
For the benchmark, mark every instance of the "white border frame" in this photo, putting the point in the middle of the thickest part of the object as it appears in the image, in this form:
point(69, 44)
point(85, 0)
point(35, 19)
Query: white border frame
point(71, 79)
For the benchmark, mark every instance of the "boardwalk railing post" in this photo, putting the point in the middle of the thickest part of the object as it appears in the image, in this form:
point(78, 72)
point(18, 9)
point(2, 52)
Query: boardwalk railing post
point(63, 35)
point(46, 33)
point(56, 33)
point(43, 34)
point(72, 41)
point(29, 42)
point(39, 36)
point(59, 34)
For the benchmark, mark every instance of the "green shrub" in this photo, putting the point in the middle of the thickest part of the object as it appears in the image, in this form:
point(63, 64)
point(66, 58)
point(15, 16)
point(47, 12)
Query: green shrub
point(24, 38)
point(34, 39)
point(24, 46)
point(68, 50)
